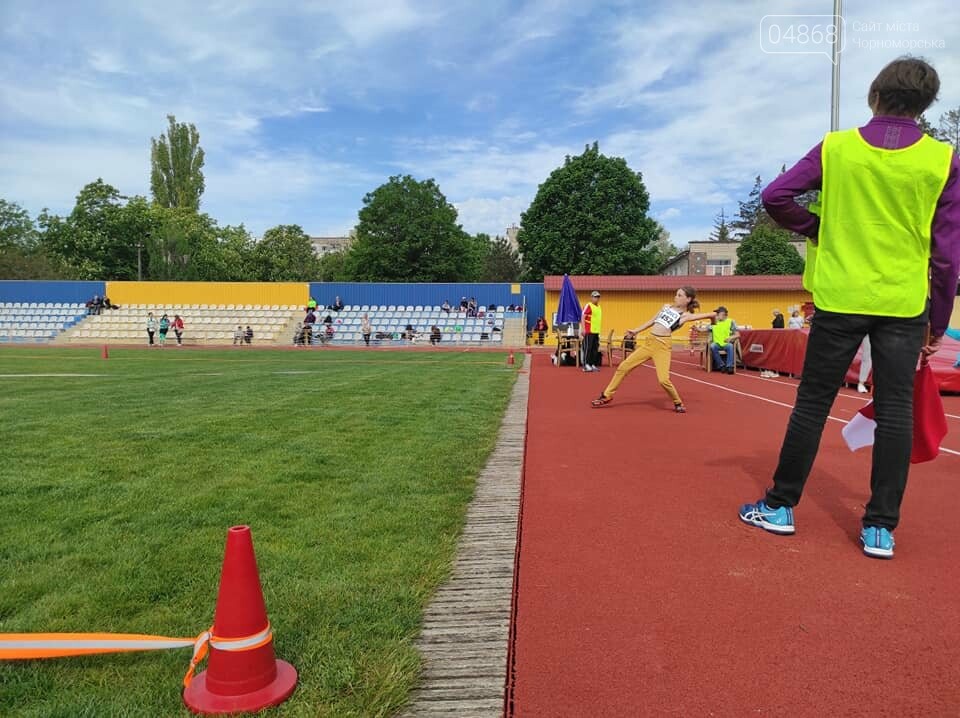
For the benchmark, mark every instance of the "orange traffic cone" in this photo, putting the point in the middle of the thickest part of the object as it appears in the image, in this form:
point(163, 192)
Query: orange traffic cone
point(242, 675)
point(510, 360)
point(105, 354)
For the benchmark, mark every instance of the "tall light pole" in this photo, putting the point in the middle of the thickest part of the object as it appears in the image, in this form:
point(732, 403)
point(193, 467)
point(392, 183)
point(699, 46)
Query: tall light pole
point(139, 262)
point(835, 83)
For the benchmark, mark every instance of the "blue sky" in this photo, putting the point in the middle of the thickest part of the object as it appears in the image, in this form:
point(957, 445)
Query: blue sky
point(304, 107)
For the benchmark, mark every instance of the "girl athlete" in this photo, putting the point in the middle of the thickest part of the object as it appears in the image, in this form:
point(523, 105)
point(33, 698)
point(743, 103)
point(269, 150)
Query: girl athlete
point(657, 345)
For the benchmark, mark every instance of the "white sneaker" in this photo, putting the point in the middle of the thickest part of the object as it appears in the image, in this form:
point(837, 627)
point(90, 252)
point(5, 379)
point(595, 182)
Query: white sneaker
point(862, 389)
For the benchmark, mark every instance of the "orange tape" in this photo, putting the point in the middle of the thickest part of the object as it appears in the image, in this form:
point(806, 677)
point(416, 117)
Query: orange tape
point(28, 646)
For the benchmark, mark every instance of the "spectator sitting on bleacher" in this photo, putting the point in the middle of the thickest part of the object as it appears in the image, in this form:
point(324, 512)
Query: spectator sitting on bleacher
point(445, 307)
point(238, 336)
point(472, 307)
point(328, 333)
point(434, 335)
point(464, 304)
point(328, 319)
point(248, 335)
point(108, 305)
point(311, 305)
point(409, 332)
point(337, 305)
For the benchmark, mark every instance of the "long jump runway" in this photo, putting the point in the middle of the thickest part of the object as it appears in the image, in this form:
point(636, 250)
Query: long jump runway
point(640, 593)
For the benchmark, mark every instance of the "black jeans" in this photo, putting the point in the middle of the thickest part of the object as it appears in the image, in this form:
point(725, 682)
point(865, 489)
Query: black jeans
point(591, 349)
point(834, 339)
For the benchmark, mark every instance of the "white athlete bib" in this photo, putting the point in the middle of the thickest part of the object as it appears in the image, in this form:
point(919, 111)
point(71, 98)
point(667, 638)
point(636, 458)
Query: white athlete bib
point(667, 317)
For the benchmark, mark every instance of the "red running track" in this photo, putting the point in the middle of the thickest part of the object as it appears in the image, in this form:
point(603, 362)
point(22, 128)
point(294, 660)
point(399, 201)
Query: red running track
point(640, 593)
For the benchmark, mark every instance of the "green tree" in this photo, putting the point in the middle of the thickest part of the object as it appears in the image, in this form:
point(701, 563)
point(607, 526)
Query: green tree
point(226, 255)
point(767, 250)
point(721, 230)
point(176, 159)
point(589, 217)
point(21, 254)
point(17, 229)
point(751, 213)
point(182, 245)
point(926, 127)
point(665, 249)
point(408, 232)
point(286, 254)
point(333, 267)
point(99, 238)
point(502, 262)
point(949, 129)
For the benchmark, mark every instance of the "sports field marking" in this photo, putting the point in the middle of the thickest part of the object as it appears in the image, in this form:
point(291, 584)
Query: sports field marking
point(792, 383)
point(40, 376)
point(843, 394)
point(772, 401)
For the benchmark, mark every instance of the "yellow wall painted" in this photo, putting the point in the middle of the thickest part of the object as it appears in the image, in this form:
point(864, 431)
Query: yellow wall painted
point(628, 309)
point(180, 293)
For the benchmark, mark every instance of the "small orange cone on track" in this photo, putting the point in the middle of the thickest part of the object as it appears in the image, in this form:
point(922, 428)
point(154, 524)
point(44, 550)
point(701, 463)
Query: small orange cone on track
point(243, 674)
point(105, 354)
point(510, 360)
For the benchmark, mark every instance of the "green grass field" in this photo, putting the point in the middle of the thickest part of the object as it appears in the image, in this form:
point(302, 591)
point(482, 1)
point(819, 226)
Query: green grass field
point(353, 470)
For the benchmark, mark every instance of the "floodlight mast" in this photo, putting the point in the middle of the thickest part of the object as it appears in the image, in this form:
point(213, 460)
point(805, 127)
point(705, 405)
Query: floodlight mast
point(835, 57)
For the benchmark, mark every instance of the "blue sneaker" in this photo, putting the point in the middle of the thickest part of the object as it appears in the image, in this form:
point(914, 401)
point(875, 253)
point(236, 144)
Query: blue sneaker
point(778, 521)
point(877, 542)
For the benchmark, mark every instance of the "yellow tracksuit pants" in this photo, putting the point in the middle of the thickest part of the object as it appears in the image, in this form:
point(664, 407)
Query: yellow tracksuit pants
point(652, 347)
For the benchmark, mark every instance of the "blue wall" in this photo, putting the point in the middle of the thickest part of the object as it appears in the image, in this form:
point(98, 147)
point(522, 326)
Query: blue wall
point(52, 292)
point(530, 294)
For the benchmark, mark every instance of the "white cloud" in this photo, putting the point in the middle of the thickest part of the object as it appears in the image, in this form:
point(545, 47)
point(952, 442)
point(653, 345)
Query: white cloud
point(668, 214)
point(106, 61)
point(491, 215)
point(303, 107)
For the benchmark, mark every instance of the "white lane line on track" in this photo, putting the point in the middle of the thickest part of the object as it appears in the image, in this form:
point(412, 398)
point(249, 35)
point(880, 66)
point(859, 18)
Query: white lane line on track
point(863, 399)
point(771, 401)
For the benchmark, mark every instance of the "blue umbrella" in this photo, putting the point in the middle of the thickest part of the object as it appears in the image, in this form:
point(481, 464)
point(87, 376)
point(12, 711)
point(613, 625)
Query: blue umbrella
point(569, 310)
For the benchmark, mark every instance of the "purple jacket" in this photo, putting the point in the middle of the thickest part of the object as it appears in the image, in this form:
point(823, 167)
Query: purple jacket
point(779, 198)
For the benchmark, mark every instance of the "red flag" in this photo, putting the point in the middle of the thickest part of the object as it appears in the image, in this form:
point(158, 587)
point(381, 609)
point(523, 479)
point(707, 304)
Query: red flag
point(929, 420)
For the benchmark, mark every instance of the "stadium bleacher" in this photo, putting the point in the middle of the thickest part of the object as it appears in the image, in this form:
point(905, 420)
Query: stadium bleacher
point(388, 324)
point(276, 324)
point(204, 324)
point(37, 322)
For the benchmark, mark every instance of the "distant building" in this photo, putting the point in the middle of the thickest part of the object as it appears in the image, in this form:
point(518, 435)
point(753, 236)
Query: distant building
point(328, 245)
point(512, 232)
point(712, 259)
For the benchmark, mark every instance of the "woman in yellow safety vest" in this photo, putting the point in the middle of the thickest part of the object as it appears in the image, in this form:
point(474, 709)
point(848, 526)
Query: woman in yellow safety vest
point(885, 241)
point(657, 345)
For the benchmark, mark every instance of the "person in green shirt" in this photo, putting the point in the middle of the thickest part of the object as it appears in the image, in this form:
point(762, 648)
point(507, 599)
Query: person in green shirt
point(723, 339)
